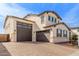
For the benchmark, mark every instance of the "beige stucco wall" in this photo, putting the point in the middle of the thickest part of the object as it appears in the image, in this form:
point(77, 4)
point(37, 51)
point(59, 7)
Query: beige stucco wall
point(47, 22)
point(37, 21)
point(54, 38)
point(10, 27)
point(60, 39)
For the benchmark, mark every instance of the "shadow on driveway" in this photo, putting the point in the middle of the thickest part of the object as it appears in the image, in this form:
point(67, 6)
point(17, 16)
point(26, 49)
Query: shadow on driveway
point(3, 51)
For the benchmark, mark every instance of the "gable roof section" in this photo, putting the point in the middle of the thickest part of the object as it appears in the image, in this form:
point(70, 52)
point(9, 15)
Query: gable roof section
point(54, 25)
point(30, 15)
point(51, 12)
point(17, 18)
point(43, 13)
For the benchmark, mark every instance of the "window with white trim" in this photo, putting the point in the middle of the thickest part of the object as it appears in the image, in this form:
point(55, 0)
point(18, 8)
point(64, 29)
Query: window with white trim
point(49, 18)
point(59, 33)
point(52, 19)
point(55, 20)
point(64, 33)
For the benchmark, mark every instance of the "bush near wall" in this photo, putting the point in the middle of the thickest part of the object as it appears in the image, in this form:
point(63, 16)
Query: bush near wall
point(4, 37)
point(74, 39)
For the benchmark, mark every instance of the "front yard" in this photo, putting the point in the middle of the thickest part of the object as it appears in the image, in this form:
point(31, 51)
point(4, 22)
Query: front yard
point(38, 49)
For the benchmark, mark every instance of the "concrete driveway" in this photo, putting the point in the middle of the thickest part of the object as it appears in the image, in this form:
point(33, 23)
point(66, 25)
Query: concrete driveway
point(38, 49)
point(3, 51)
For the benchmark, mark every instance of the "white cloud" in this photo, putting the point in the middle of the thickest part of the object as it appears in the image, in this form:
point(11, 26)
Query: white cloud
point(11, 9)
point(71, 17)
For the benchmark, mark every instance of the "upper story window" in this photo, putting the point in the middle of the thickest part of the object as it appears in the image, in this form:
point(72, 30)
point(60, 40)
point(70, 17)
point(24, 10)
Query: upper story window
point(52, 19)
point(49, 18)
point(42, 19)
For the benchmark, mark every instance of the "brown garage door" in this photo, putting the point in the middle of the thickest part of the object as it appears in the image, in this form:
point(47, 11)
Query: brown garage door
point(24, 32)
point(42, 36)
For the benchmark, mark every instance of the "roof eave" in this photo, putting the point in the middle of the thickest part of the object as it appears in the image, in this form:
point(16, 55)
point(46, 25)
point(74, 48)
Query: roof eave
point(56, 25)
point(17, 18)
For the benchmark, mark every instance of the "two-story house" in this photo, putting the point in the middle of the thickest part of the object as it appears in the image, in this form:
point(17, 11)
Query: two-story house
point(45, 27)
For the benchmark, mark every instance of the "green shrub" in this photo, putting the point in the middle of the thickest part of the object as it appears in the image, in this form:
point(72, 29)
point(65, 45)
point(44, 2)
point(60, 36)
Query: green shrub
point(74, 39)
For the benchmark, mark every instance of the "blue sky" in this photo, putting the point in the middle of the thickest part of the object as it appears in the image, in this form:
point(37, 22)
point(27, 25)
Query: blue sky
point(68, 12)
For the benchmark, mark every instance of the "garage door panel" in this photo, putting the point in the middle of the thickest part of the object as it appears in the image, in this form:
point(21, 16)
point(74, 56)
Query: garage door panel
point(24, 32)
point(42, 36)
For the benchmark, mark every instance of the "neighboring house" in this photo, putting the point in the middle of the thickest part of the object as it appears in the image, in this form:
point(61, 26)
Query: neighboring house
point(75, 30)
point(45, 27)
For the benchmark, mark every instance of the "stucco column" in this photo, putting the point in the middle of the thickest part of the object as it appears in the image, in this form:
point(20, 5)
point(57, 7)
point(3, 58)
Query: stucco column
point(13, 33)
point(51, 36)
point(34, 32)
point(33, 36)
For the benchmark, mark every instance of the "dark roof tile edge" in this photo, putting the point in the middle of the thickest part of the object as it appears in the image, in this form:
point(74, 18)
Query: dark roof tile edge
point(43, 13)
point(43, 30)
point(57, 24)
point(15, 17)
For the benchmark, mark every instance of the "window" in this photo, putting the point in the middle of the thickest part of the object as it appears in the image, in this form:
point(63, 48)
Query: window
point(55, 20)
point(52, 19)
point(49, 17)
point(64, 33)
point(42, 19)
point(59, 33)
